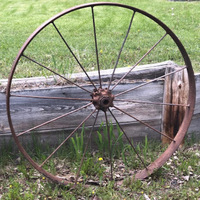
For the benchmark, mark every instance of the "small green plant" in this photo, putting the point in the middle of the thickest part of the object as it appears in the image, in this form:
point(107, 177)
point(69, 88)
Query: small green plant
point(116, 141)
point(145, 147)
point(126, 154)
point(129, 157)
point(77, 144)
point(92, 167)
point(35, 142)
point(147, 150)
point(102, 139)
point(22, 169)
point(16, 192)
point(134, 185)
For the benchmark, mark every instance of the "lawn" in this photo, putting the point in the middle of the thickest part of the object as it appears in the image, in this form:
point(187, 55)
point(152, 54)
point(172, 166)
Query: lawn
point(20, 18)
point(178, 179)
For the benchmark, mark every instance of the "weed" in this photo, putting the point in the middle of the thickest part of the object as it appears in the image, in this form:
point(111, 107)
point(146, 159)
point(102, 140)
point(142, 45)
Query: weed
point(145, 148)
point(23, 182)
point(77, 144)
point(134, 185)
point(92, 167)
point(116, 141)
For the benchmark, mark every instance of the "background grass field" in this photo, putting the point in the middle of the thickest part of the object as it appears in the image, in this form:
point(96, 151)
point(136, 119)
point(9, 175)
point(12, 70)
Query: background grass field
point(20, 18)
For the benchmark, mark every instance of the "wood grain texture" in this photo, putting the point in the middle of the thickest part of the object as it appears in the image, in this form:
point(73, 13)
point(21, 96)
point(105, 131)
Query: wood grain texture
point(175, 92)
point(29, 112)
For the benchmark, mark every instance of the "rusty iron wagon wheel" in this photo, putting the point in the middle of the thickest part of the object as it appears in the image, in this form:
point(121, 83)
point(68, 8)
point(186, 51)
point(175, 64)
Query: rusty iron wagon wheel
point(100, 99)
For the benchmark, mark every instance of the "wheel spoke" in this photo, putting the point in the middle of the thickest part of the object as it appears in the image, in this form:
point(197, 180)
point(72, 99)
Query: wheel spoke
point(86, 147)
point(109, 146)
point(46, 97)
point(148, 102)
point(129, 141)
point(52, 120)
point(96, 47)
point(70, 135)
point(144, 123)
point(111, 78)
point(73, 54)
point(102, 92)
point(146, 83)
point(147, 53)
point(73, 83)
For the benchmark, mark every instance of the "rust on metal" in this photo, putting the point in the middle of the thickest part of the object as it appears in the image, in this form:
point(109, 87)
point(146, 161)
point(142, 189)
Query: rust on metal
point(102, 98)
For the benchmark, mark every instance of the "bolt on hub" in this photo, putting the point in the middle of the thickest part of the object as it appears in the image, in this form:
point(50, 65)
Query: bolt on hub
point(102, 99)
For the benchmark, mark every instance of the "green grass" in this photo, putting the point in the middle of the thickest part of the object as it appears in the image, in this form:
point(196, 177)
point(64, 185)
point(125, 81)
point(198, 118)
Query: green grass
point(20, 18)
point(177, 179)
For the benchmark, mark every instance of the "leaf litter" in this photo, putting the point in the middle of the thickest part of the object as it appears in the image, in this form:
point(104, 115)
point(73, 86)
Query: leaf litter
point(173, 176)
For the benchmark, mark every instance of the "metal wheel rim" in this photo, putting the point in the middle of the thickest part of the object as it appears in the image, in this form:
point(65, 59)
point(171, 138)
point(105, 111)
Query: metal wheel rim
point(186, 121)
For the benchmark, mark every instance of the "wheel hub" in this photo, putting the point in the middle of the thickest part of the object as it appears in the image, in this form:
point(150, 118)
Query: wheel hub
point(102, 99)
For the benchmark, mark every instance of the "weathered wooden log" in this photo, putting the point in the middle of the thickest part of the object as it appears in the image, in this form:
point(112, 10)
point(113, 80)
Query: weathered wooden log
point(28, 112)
point(175, 92)
point(32, 111)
